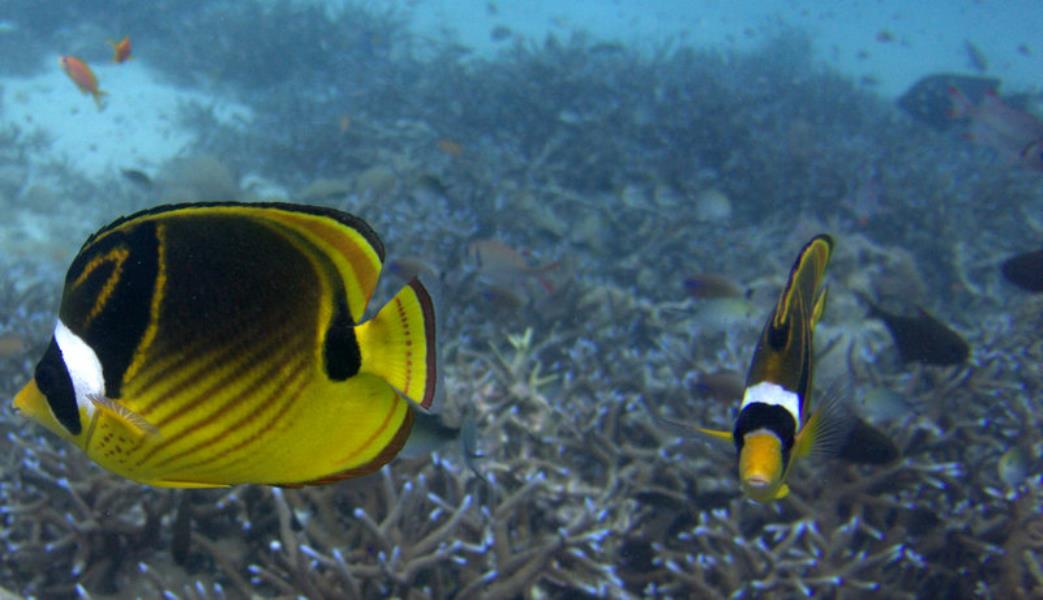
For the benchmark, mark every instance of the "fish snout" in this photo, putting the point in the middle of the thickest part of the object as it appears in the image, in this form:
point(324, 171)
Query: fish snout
point(760, 464)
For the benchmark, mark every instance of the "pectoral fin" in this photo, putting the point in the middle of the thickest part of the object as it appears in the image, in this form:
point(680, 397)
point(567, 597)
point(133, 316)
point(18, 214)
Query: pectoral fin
point(687, 431)
point(716, 434)
point(130, 420)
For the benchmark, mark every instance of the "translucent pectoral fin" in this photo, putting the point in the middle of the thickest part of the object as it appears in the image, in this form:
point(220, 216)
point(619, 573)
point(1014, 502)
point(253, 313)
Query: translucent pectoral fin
point(826, 430)
point(687, 431)
point(717, 434)
point(130, 420)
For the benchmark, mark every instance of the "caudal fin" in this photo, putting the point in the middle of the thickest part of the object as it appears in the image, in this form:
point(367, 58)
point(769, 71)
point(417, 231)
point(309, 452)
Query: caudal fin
point(399, 345)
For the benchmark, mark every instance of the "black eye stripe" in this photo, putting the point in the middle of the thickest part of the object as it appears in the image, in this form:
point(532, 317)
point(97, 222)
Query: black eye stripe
point(774, 418)
point(55, 383)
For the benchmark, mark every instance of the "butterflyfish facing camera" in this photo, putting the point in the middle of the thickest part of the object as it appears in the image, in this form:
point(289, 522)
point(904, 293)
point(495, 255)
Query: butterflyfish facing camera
point(777, 423)
point(205, 345)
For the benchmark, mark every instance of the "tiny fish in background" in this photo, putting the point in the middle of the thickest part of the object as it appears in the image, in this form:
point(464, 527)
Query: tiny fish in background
point(1014, 134)
point(430, 434)
point(121, 50)
point(450, 147)
point(922, 338)
point(83, 77)
point(713, 285)
point(1025, 271)
point(504, 266)
point(344, 123)
point(1013, 467)
point(975, 57)
point(929, 102)
point(11, 345)
point(207, 345)
point(722, 386)
point(411, 267)
point(138, 178)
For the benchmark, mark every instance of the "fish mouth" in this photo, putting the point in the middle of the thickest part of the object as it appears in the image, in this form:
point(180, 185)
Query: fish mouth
point(757, 482)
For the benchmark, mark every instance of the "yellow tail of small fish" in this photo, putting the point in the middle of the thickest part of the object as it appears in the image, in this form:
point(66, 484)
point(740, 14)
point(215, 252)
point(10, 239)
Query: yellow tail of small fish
point(398, 344)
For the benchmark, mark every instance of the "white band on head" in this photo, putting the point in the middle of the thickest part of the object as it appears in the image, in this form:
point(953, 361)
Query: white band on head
point(83, 365)
point(774, 394)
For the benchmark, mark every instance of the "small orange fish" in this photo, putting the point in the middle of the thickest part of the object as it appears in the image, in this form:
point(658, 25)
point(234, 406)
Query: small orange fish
point(82, 76)
point(450, 147)
point(121, 50)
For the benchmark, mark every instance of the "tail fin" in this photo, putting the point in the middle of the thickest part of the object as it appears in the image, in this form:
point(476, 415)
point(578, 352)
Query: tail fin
point(398, 344)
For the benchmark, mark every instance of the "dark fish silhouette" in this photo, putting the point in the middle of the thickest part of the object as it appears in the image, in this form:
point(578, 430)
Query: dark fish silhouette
point(138, 178)
point(867, 445)
point(929, 100)
point(922, 338)
point(1025, 271)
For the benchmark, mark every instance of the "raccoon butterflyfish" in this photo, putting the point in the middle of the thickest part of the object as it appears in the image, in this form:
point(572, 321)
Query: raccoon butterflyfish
point(204, 345)
point(776, 422)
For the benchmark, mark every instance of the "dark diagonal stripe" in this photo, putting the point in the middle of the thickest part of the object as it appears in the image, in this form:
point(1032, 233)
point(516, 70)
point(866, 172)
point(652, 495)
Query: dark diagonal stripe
point(284, 407)
point(265, 350)
point(298, 380)
point(259, 377)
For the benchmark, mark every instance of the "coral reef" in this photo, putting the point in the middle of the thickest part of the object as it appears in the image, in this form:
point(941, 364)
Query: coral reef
point(592, 154)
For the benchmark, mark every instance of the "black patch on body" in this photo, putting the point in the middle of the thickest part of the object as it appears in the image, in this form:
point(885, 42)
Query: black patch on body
point(53, 379)
point(341, 352)
point(774, 418)
point(116, 332)
point(778, 337)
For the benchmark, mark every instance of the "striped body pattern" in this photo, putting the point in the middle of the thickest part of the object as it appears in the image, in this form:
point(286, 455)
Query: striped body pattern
point(216, 344)
point(776, 421)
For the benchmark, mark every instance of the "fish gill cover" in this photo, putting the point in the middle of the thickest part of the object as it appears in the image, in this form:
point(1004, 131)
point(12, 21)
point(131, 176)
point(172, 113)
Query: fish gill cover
point(590, 156)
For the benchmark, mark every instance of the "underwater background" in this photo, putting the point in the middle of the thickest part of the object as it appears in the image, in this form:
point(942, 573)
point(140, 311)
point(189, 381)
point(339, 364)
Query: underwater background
point(611, 196)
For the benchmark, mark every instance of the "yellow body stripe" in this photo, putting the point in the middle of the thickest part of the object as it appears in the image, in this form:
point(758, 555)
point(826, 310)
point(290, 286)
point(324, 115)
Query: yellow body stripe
point(118, 256)
point(358, 264)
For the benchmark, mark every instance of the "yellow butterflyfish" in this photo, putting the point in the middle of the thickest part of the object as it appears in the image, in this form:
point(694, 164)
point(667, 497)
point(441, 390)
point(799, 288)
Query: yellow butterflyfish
point(203, 345)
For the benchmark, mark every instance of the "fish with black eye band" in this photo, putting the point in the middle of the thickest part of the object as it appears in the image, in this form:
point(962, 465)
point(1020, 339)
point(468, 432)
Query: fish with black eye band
point(204, 345)
point(777, 424)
